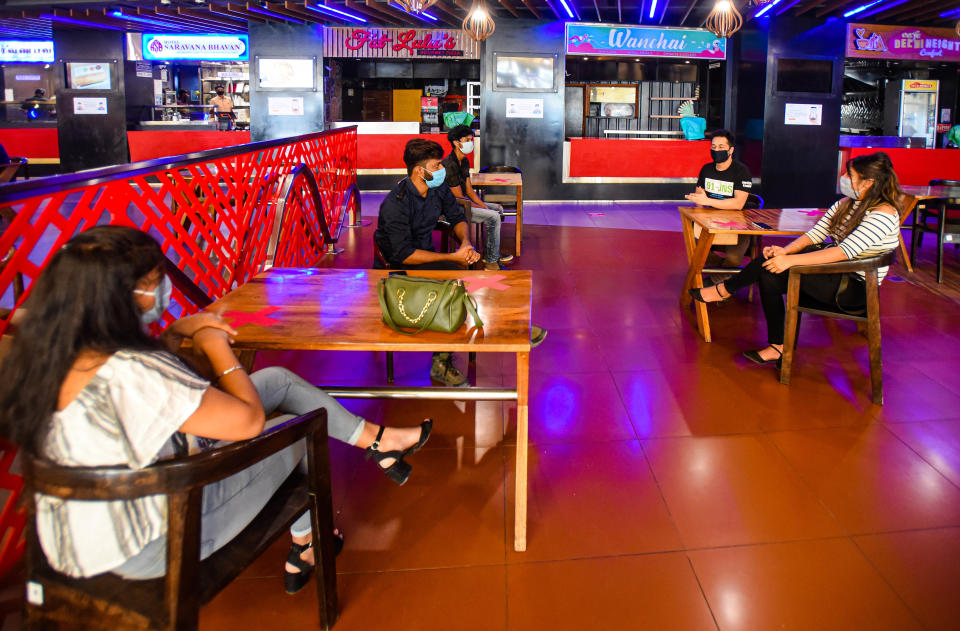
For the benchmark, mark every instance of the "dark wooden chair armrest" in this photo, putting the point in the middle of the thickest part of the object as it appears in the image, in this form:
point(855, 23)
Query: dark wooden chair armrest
point(123, 483)
point(841, 267)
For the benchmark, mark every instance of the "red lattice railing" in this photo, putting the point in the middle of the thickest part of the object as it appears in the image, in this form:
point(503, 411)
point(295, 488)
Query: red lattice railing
point(221, 216)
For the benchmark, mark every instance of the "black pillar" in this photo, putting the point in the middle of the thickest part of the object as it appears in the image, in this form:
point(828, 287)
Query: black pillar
point(98, 139)
point(285, 41)
point(800, 161)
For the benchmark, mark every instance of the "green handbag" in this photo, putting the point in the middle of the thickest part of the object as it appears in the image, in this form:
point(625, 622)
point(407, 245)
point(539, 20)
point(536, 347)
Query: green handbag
point(425, 304)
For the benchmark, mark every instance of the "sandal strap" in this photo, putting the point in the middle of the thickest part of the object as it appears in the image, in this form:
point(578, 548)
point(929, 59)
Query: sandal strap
point(296, 549)
point(375, 445)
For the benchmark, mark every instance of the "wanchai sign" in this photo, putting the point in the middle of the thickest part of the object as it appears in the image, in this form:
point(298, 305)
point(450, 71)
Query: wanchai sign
point(202, 47)
point(26, 51)
point(642, 41)
point(875, 41)
point(398, 43)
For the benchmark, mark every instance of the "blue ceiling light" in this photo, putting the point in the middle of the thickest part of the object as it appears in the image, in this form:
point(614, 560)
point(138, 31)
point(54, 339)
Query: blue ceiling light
point(653, 8)
point(120, 15)
point(423, 15)
point(861, 8)
point(274, 15)
point(322, 8)
point(952, 13)
point(767, 8)
point(66, 20)
point(566, 7)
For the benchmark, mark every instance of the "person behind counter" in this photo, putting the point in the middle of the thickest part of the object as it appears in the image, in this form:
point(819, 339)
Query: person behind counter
point(38, 103)
point(221, 103)
point(725, 184)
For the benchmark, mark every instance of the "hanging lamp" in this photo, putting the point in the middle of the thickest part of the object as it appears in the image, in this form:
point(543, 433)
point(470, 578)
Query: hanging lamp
point(724, 20)
point(479, 24)
point(416, 6)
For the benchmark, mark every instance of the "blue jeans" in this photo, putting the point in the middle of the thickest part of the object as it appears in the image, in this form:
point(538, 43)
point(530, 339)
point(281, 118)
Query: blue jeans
point(489, 217)
point(232, 503)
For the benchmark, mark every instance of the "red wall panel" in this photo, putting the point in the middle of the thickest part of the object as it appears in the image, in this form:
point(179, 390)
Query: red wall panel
point(385, 151)
point(601, 157)
point(31, 142)
point(919, 166)
point(149, 145)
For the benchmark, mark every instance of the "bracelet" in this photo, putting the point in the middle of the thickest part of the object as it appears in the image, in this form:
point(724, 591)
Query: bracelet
point(228, 371)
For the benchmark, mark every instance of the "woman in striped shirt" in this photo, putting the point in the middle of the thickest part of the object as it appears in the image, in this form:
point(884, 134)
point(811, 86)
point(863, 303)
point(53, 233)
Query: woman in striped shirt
point(863, 224)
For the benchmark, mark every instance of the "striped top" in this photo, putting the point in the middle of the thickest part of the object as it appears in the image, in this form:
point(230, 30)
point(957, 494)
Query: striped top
point(877, 233)
point(128, 414)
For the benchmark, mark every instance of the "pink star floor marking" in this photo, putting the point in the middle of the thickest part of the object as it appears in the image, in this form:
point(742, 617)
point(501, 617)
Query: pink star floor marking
point(474, 283)
point(238, 319)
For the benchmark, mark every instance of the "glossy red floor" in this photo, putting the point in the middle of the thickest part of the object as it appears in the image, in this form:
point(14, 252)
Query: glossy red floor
point(672, 485)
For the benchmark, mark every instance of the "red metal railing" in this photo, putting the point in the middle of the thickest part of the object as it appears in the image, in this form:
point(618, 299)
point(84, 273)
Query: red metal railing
point(220, 216)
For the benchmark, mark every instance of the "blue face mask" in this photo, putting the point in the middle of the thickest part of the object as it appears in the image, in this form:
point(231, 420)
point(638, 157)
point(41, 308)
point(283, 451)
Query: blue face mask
point(161, 300)
point(437, 178)
point(846, 187)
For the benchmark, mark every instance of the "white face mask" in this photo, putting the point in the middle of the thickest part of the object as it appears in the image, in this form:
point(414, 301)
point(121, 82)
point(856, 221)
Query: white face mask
point(161, 300)
point(846, 187)
point(467, 147)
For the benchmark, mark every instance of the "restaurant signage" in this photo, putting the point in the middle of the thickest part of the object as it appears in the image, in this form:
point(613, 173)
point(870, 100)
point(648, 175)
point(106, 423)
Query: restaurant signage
point(13, 50)
point(201, 47)
point(882, 41)
point(642, 41)
point(398, 43)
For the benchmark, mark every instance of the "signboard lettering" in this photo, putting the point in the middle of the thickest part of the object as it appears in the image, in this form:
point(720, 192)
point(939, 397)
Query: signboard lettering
point(642, 41)
point(397, 43)
point(26, 51)
point(882, 41)
point(203, 47)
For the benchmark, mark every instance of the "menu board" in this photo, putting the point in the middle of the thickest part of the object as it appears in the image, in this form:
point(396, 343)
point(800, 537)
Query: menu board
point(286, 74)
point(89, 75)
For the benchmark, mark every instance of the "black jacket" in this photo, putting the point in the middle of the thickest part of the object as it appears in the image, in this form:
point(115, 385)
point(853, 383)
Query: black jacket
point(407, 219)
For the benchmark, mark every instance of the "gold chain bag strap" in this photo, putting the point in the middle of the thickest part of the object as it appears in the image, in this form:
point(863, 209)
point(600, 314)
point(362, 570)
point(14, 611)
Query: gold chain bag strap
point(425, 304)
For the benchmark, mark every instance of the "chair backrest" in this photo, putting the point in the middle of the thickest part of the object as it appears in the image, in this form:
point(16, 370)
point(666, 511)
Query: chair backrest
point(500, 169)
point(944, 182)
point(378, 255)
point(907, 204)
point(9, 171)
point(754, 201)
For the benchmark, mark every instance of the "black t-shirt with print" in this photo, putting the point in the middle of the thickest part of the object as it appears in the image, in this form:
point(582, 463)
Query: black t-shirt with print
point(458, 171)
point(722, 184)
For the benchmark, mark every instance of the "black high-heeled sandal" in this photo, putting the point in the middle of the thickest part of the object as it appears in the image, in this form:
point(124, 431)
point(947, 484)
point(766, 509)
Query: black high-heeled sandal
point(399, 471)
point(294, 581)
point(426, 428)
point(754, 356)
point(696, 295)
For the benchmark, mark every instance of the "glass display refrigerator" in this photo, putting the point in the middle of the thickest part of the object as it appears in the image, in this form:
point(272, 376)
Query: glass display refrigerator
point(918, 110)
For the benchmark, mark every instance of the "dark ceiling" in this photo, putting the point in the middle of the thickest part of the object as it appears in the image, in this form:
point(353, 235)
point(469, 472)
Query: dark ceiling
point(34, 18)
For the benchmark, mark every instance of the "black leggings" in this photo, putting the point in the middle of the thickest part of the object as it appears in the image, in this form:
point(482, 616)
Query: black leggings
point(820, 287)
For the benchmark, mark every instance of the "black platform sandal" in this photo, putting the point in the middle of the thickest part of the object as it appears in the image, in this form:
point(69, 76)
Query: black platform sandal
point(426, 428)
point(294, 581)
point(399, 471)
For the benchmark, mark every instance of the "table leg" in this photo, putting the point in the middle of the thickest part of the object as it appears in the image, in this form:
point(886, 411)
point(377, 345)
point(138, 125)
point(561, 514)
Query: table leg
point(519, 217)
point(520, 497)
point(695, 280)
point(247, 358)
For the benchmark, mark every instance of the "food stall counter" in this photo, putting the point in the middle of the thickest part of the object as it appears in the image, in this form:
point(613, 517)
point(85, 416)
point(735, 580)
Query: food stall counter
point(380, 145)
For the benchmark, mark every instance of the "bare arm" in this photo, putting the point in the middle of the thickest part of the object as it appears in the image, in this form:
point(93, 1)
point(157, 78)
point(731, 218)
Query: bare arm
point(234, 411)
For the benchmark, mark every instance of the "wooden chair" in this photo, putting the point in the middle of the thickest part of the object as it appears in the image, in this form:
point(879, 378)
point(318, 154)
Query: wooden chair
point(907, 204)
point(173, 601)
point(8, 171)
point(870, 317)
point(504, 199)
point(947, 222)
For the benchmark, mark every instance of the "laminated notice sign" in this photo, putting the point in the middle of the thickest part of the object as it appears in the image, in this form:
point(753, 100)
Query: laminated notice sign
point(803, 114)
point(524, 108)
point(285, 106)
point(90, 105)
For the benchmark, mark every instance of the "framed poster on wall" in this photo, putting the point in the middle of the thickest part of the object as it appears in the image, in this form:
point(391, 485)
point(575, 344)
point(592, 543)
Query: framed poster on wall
point(519, 72)
point(90, 75)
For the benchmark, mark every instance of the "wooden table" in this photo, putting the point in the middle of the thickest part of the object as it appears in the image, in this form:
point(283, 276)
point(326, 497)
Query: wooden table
point(481, 180)
point(782, 222)
point(933, 192)
point(337, 309)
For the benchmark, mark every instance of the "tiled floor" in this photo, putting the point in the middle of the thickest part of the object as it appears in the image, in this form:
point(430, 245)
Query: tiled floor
point(672, 485)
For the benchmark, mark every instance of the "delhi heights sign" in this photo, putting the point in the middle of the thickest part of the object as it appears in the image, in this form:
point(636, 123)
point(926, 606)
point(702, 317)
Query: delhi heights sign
point(881, 41)
point(397, 43)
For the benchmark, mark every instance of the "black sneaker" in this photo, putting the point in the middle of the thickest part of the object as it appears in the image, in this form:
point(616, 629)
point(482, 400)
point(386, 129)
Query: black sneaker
point(444, 371)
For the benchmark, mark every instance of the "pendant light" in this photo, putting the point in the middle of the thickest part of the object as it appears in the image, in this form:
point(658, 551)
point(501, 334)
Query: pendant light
point(478, 24)
point(724, 20)
point(416, 6)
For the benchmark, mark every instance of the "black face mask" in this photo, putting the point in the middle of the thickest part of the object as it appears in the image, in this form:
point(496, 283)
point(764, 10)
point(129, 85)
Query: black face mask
point(219, 92)
point(720, 155)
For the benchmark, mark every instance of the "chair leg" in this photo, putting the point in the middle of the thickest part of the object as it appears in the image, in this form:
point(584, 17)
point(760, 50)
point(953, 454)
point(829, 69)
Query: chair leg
point(389, 358)
point(873, 338)
point(321, 522)
point(914, 234)
point(941, 228)
point(790, 328)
